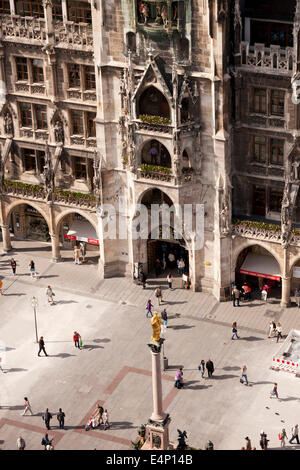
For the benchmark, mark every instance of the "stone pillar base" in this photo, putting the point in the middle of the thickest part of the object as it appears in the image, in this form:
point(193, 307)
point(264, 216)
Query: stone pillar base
point(157, 435)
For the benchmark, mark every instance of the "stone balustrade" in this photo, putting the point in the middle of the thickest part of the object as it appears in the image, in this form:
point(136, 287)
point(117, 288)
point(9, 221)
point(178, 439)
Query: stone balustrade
point(255, 231)
point(153, 127)
point(22, 28)
point(32, 191)
point(155, 175)
point(76, 35)
point(267, 58)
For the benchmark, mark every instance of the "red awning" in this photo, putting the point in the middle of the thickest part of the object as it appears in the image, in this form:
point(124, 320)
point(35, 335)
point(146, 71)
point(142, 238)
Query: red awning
point(83, 231)
point(261, 266)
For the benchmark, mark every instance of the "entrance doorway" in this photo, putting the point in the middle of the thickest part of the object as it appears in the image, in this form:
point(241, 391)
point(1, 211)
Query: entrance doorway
point(27, 223)
point(160, 250)
point(258, 268)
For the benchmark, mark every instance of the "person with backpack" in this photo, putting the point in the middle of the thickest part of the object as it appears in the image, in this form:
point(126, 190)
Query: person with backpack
point(158, 295)
point(61, 418)
point(46, 441)
point(234, 331)
point(282, 437)
point(50, 294)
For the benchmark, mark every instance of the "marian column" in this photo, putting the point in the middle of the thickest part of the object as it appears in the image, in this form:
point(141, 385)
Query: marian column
point(157, 428)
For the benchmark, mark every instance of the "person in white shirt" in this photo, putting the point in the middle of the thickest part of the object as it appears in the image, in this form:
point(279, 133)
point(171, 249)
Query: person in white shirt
point(27, 407)
point(279, 332)
point(105, 420)
point(295, 432)
point(244, 374)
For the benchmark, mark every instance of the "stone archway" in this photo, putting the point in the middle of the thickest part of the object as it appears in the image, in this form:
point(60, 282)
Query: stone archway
point(88, 233)
point(29, 222)
point(258, 264)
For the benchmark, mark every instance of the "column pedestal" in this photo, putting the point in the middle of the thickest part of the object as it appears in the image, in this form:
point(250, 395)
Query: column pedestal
point(6, 247)
point(286, 292)
point(157, 428)
point(56, 257)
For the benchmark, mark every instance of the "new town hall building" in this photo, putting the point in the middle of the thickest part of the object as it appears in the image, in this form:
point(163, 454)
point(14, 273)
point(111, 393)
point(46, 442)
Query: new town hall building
point(175, 102)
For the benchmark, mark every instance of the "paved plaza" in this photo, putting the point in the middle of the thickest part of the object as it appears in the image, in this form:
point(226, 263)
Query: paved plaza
point(114, 367)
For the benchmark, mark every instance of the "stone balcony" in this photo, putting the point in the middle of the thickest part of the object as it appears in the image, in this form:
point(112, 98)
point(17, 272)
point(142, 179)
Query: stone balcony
point(25, 29)
point(267, 59)
point(74, 35)
point(38, 193)
point(161, 174)
point(263, 231)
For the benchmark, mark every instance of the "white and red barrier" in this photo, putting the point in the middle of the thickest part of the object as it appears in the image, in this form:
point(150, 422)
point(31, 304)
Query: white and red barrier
point(285, 365)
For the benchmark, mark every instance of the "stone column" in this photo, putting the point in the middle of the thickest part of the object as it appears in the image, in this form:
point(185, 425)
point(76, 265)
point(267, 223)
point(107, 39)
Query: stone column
point(56, 256)
point(158, 414)
point(6, 238)
point(286, 292)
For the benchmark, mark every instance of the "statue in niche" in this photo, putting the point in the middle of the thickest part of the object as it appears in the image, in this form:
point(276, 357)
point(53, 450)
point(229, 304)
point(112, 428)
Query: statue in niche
point(8, 124)
point(48, 175)
point(295, 171)
point(59, 132)
point(97, 180)
point(1, 175)
point(224, 215)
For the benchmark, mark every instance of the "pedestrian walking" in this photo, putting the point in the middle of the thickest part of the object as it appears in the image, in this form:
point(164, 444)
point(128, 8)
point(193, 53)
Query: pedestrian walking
point(297, 297)
point(272, 329)
point(263, 441)
point(157, 268)
point(83, 250)
point(181, 266)
point(164, 317)
point(248, 443)
point(164, 262)
point(178, 378)
point(234, 331)
point(158, 295)
point(210, 368)
point(32, 270)
point(61, 418)
point(50, 294)
point(282, 437)
point(169, 280)
point(76, 255)
point(264, 295)
point(76, 339)
point(274, 392)
point(278, 331)
point(42, 346)
point(1, 369)
point(148, 308)
point(13, 266)
point(99, 414)
point(27, 407)
point(143, 279)
point(201, 368)
point(244, 375)
point(21, 443)
point(47, 416)
point(105, 418)
point(295, 434)
point(236, 296)
point(46, 441)
point(184, 281)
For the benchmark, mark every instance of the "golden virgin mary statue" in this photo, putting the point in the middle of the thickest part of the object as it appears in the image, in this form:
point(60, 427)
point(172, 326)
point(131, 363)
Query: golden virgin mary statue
point(156, 322)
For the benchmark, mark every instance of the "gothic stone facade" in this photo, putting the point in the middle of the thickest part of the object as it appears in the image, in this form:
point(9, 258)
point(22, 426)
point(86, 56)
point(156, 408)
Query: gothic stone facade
point(89, 88)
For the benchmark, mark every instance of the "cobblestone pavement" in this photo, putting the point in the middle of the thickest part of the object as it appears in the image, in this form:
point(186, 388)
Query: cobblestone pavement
point(114, 367)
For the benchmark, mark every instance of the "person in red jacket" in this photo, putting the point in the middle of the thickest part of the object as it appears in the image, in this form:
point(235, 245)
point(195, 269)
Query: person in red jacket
point(76, 339)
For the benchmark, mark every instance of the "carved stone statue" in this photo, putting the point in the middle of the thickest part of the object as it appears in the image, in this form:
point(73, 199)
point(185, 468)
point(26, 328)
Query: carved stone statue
point(97, 179)
point(1, 175)
point(59, 132)
point(156, 322)
point(182, 436)
point(8, 124)
point(48, 175)
point(224, 215)
point(295, 173)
